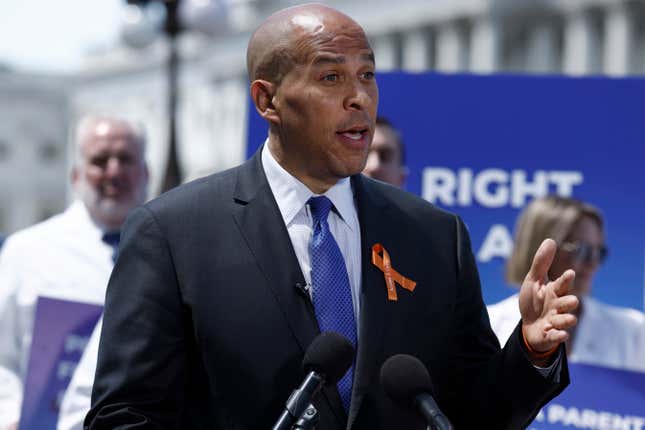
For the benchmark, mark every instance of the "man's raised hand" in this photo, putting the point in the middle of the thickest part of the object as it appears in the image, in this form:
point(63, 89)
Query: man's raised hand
point(546, 307)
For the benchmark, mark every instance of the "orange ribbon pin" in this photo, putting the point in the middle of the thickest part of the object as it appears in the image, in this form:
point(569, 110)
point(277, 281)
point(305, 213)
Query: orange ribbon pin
point(385, 264)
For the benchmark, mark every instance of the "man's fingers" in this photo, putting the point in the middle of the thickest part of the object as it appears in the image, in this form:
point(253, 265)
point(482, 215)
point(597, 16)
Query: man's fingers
point(563, 283)
point(562, 321)
point(542, 261)
point(565, 304)
point(548, 337)
point(557, 336)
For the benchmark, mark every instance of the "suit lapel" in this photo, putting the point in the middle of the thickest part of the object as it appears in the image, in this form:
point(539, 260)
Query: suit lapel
point(260, 223)
point(372, 214)
point(259, 220)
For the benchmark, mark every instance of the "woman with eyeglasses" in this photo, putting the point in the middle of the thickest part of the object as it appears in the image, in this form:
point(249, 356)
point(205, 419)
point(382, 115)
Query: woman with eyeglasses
point(605, 335)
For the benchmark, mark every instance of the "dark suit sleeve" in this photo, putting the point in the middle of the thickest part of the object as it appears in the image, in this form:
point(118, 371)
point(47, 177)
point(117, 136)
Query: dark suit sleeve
point(141, 368)
point(493, 388)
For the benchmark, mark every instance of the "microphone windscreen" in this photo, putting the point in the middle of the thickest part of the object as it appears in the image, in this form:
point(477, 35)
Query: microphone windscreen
point(330, 354)
point(404, 377)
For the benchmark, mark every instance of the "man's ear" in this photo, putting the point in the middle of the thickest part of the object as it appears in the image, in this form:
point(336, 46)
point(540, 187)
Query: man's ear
point(262, 93)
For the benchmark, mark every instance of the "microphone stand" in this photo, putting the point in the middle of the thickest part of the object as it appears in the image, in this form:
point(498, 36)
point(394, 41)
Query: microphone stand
point(298, 405)
point(308, 420)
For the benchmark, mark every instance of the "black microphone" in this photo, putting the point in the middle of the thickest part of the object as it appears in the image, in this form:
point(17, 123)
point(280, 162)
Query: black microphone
point(326, 360)
point(407, 382)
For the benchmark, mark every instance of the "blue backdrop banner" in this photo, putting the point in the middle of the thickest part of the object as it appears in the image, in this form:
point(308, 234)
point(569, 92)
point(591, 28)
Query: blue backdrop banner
point(597, 399)
point(484, 146)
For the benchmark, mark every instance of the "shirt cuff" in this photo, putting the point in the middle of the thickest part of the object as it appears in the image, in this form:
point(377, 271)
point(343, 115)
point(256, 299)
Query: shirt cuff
point(552, 372)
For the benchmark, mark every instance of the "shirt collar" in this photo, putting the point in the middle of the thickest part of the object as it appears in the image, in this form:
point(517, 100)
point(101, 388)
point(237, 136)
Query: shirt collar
point(292, 195)
point(81, 213)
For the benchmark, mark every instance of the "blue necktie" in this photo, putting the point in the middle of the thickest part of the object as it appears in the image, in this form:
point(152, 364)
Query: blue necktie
point(331, 294)
point(112, 239)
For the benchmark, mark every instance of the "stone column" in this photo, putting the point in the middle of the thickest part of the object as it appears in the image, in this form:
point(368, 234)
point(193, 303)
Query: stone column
point(384, 47)
point(450, 48)
point(542, 49)
point(485, 45)
point(578, 39)
point(618, 40)
point(417, 50)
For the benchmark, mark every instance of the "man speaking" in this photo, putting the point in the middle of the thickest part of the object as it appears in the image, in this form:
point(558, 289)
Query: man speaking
point(223, 283)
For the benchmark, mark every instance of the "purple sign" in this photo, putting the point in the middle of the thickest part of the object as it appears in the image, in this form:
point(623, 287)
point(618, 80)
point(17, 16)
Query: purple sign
point(61, 331)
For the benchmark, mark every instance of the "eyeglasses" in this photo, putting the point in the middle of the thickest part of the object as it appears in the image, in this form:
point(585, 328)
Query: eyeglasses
point(586, 253)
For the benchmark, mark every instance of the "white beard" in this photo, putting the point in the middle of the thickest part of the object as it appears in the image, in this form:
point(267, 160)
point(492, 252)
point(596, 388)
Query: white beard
point(107, 210)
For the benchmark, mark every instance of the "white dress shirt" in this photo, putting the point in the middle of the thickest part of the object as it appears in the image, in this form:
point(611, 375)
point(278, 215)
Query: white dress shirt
point(605, 336)
point(292, 196)
point(64, 258)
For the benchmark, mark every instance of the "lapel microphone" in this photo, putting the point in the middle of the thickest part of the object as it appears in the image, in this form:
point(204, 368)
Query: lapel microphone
point(304, 288)
point(407, 382)
point(326, 360)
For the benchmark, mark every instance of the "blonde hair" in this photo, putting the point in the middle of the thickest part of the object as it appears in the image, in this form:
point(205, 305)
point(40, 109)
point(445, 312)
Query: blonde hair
point(547, 217)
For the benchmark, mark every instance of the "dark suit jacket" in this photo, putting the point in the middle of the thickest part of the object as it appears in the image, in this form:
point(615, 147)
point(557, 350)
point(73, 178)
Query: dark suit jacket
point(204, 327)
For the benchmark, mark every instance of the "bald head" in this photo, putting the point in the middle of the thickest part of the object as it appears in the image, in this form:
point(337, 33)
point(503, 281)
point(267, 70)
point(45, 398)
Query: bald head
point(110, 175)
point(312, 79)
point(279, 42)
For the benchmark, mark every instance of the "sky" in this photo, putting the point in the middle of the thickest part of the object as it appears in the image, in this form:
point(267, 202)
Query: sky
point(51, 36)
